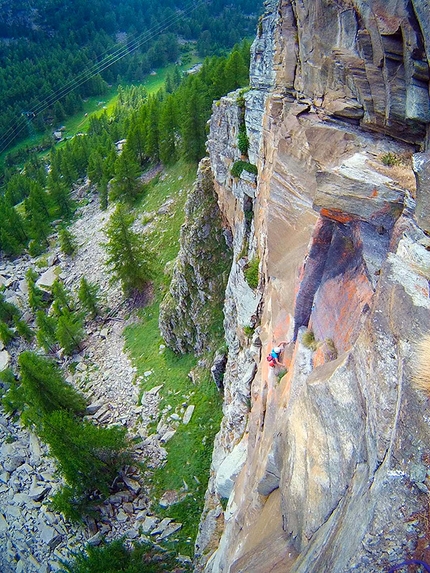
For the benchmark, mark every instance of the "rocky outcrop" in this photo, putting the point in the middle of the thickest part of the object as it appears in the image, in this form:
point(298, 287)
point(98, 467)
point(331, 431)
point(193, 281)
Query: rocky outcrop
point(335, 475)
point(196, 294)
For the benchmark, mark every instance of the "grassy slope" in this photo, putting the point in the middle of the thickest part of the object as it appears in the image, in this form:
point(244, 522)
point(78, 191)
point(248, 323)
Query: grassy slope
point(189, 451)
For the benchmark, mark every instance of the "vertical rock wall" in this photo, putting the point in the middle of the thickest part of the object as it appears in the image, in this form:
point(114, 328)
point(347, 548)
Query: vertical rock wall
point(325, 467)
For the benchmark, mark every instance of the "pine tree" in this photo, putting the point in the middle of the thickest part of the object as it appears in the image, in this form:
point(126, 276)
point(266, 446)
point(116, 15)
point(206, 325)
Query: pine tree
point(152, 131)
point(193, 124)
point(67, 241)
point(60, 196)
point(136, 140)
point(62, 302)
point(46, 330)
point(125, 185)
point(103, 194)
point(127, 257)
point(13, 236)
point(45, 389)
point(59, 113)
point(168, 132)
point(8, 311)
point(169, 83)
point(88, 295)
point(23, 329)
point(88, 456)
point(36, 296)
point(95, 168)
point(6, 334)
point(177, 78)
point(236, 71)
point(39, 229)
point(69, 331)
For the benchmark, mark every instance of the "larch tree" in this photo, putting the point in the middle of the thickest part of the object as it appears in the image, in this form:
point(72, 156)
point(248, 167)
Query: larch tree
point(126, 185)
point(127, 257)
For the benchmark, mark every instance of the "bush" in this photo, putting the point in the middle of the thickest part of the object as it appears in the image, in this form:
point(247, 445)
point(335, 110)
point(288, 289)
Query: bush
point(390, 159)
point(308, 340)
point(243, 140)
point(248, 331)
point(251, 273)
point(239, 166)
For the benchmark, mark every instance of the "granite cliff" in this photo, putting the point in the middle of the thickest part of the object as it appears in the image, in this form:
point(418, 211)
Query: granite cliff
point(324, 464)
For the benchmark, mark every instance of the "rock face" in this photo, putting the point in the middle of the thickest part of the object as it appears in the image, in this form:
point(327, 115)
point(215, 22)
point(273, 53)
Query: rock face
point(333, 467)
point(200, 272)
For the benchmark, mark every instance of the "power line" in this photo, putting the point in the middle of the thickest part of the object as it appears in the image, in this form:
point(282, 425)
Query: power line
point(108, 60)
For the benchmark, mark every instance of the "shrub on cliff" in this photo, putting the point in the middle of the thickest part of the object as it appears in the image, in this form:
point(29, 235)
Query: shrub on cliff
point(242, 140)
point(251, 273)
point(239, 166)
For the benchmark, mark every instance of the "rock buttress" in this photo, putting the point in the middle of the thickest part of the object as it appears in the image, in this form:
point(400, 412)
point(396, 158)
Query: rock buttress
point(193, 304)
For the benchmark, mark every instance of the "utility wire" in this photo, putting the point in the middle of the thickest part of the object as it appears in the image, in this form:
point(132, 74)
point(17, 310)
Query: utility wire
point(108, 60)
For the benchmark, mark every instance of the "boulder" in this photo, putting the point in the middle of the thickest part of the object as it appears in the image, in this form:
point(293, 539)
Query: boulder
point(188, 414)
point(4, 359)
point(47, 279)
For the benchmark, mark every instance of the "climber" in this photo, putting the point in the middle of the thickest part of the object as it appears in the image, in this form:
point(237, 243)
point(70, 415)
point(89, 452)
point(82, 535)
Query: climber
point(275, 354)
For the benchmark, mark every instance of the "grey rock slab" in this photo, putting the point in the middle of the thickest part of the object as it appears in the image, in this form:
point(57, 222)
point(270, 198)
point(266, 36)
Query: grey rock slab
point(188, 414)
point(167, 436)
point(132, 484)
point(37, 493)
point(149, 523)
point(95, 539)
point(155, 390)
point(161, 526)
point(13, 511)
point(121, 515)
point(21, 499)
point(131, 533)
point(35, 446)
point(48, 278)
point(94, 407)
point(359, 191)
point(171, 528)
point(55, 541)
point(47, 533)
point(230, 469)
point(4, 360)
point(421, 166)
